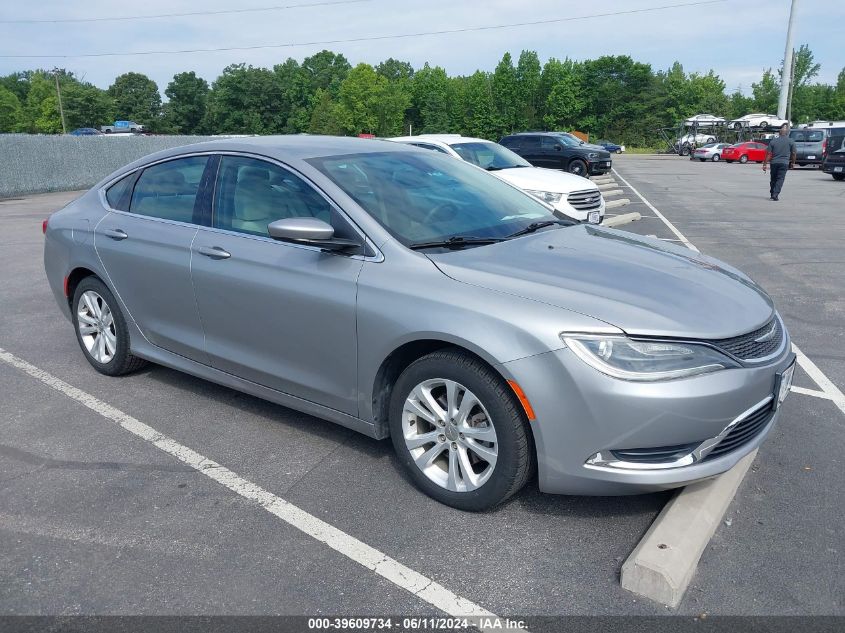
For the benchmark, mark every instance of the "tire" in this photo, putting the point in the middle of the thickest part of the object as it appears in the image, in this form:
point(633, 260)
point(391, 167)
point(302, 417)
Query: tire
point(728, 161)
point(743, 159)
point(737, 126)
point(94, 303)
point(496, 408)
point(838, 176)
point(578, 167)
point(702, 159)
point(764, 125)
point(802, 164)
point(715, 158)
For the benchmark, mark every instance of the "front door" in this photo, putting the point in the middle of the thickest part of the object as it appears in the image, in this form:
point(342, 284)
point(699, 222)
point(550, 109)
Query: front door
point(277, 314)
point(145, 247)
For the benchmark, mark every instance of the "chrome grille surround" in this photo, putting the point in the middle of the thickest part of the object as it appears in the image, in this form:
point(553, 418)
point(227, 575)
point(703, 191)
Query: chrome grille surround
point(585, 200)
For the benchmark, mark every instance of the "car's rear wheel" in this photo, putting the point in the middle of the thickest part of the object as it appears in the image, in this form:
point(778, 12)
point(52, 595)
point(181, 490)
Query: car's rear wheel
point(702, 159)
point(577, 167)
point(743, 159)
point(764, 125)
point(101, 329)
point(715, 158)
point(459, 431)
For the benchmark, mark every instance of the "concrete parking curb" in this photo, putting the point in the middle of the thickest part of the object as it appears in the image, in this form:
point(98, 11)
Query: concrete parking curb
point(619, 220)
point(615, 204)
point(604, 181)
point(609, 184)
point(661, 566)
point(612, 192)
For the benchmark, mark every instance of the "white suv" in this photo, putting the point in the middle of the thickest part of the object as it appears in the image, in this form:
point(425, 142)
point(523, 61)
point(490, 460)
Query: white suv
point(574, 196)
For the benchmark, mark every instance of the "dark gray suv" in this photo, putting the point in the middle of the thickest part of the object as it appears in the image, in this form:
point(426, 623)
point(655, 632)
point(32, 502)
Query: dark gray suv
point(559, 151)
point(811, 143)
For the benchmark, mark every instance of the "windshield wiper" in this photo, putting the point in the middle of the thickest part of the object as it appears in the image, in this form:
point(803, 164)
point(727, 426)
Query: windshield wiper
point(534, 226)
point(498, 167)
point(456, 241)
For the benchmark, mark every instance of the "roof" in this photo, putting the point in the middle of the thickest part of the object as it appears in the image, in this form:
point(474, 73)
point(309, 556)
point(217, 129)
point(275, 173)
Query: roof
point(447, 139)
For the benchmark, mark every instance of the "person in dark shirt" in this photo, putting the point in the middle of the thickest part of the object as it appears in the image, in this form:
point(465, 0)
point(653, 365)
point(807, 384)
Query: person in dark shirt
point(781, 154)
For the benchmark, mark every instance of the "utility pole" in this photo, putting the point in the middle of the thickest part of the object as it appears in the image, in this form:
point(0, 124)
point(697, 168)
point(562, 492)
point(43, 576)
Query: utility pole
point(791, 90)
point(786, 75)
point(59, 95)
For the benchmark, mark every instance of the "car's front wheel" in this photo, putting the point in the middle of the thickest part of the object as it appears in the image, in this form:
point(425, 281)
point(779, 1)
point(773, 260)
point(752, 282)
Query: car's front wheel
point(101, 329)
point(459, 431)
point(577, 167)
point(838, 176)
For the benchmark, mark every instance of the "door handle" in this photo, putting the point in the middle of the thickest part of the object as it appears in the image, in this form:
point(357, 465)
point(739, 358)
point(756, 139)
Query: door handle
point(214, 252)
point(115, 234)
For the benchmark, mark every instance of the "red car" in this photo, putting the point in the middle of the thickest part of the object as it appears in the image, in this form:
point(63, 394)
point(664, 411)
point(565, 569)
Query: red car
point(744, 152)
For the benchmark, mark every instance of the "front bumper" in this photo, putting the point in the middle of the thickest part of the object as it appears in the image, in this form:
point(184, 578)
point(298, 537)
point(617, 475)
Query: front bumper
point(581, 412)
point(599, 167)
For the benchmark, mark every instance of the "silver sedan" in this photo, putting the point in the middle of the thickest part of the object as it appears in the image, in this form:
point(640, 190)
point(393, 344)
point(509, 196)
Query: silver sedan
point(711, 151)
point(404, 294)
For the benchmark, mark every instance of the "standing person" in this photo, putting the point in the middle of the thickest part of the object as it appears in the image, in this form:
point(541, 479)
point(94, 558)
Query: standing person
point(781, 154)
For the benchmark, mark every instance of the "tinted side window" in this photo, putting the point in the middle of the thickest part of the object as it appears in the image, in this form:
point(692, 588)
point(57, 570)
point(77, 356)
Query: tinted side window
point(531, 143)
point(118, 194)
point(252, 193)
point(169, 190)
point(511, 142)
point(548, 144)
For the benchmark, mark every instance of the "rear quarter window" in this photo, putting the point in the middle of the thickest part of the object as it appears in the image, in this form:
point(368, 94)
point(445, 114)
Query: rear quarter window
point(118, 194)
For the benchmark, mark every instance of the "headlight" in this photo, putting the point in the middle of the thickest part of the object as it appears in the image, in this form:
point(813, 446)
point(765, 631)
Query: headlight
point(546, 196)
point(646, 361)
point(592, 155)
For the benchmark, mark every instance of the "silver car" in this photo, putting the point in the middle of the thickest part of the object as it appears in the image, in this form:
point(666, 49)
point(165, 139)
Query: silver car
point(711, 151)
point(404, 294)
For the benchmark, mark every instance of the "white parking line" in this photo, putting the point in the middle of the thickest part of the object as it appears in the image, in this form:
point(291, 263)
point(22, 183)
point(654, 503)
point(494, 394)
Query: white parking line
point(809, 392)
point(421, 586)
point(657, 213)
point(832, 392)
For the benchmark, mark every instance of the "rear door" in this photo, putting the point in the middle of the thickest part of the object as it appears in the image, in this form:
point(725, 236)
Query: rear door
point(145, 247)
point(278, 314)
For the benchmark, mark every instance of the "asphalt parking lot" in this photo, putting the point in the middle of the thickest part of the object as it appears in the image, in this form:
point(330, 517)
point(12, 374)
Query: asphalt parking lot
point(94, 520)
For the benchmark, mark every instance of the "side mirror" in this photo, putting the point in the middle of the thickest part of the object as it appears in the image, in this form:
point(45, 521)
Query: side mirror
point(311, 232)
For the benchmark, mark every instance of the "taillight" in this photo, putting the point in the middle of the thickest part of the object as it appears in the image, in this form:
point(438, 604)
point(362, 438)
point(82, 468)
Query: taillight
point(824, 148)
point(44, 225)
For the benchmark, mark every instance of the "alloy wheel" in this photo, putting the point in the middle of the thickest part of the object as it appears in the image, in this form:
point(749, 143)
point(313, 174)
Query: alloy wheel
point(450, 435)
point(96, 327)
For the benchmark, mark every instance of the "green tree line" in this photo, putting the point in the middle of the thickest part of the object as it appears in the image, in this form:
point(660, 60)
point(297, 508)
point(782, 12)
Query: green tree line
point(612, 96)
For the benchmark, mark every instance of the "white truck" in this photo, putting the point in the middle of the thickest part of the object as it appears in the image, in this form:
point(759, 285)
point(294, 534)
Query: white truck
point(122, 127)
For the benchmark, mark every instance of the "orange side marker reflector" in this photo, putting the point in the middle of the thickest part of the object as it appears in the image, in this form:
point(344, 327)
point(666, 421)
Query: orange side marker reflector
point(523, 399)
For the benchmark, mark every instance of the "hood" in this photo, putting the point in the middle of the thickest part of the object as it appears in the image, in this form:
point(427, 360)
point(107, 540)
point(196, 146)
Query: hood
point(641, 285)
point(540, 179)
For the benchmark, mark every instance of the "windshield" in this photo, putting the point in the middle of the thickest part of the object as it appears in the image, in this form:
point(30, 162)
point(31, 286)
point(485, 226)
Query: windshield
point(807, 136)
point(489, 156)
point(428, 197)
point(571, 141)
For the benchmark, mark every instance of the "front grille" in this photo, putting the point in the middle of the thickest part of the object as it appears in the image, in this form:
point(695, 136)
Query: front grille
point(747, 348)
point(657, 455)
point(588, 200)
point(744, 431)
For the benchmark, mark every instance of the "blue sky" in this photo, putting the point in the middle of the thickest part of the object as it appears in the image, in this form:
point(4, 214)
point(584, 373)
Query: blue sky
point(736, 38)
